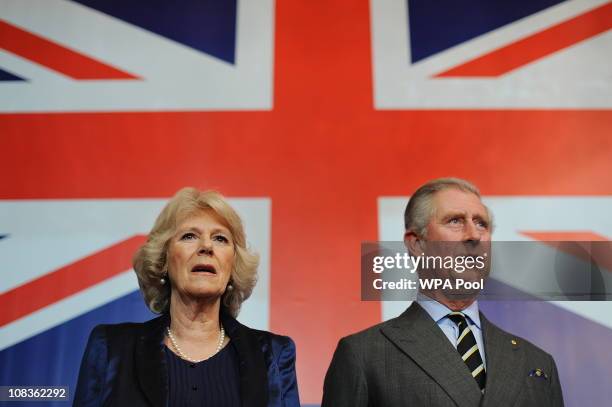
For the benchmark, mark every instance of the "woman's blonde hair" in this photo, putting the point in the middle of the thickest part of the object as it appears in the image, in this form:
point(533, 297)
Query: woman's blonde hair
point(151, 262)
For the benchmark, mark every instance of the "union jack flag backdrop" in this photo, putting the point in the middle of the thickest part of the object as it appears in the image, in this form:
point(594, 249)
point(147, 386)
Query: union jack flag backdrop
point(317, 121)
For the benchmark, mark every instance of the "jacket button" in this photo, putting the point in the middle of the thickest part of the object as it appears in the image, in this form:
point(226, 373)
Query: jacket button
point(194, 388)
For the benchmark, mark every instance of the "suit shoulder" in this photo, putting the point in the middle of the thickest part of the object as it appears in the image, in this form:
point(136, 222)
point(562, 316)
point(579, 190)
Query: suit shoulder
point(121, 331)
point(281, 348)
point(268, 336)
point(365, 337)
point(117, 330)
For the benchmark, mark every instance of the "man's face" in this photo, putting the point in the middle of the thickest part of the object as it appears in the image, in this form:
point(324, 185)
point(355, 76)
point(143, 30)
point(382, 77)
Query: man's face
point(458, 217)
point(459, 227)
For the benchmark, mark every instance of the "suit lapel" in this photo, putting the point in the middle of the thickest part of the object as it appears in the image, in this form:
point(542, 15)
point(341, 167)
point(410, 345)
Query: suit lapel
point(253, 371)
point(418, 336)
point(505, 364)
point(150, 362)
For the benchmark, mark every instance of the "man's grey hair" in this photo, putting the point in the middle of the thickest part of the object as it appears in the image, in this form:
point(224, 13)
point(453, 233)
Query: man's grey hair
point(420, 209)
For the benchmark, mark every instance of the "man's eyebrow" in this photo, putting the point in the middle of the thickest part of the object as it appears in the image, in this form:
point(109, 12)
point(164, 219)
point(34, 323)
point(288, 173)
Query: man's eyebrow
point(485, 218)
point(454, 214)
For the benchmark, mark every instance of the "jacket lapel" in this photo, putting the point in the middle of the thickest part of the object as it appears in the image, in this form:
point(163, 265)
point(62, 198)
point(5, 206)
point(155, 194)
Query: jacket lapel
point(418, 336)
point(150, 362)
point(253, 371)
point(505, 364)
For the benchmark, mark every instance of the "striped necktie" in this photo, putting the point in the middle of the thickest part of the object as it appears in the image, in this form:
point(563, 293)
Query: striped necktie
point(468, 349)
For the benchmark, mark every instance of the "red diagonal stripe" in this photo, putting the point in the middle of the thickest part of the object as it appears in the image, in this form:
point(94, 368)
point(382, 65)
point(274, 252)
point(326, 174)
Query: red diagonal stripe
point(586, 245)
point(68, 280)
point(55, 56)
point(536, 46)
point(566, 236)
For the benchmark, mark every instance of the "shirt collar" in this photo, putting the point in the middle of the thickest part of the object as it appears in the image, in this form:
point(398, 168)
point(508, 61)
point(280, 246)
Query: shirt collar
point(438, 311)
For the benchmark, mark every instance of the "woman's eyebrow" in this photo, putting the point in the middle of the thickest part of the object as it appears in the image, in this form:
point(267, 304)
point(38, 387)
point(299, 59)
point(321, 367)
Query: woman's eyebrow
point(188, 229)
point(223, 230)
point(197, 229)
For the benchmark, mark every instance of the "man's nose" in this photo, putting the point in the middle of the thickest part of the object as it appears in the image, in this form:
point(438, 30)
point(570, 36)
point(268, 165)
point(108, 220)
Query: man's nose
point(471, 233)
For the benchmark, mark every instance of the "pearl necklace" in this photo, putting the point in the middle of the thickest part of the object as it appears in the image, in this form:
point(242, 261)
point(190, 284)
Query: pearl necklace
point(182, 354)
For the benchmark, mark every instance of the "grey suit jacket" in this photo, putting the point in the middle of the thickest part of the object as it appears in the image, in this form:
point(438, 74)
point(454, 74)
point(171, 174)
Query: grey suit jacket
point(408, 361)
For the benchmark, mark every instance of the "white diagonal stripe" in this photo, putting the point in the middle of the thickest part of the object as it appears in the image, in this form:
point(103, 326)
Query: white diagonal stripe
point(469, 352)
point(477, 370)
point(184, 79)
point(465, 332)
point(401, 85)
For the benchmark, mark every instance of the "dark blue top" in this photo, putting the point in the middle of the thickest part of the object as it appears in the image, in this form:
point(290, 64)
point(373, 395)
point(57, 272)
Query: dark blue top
point(214, 382)
point(125, 365)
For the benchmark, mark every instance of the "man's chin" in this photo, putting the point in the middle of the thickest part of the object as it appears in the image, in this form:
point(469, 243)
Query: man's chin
point(460, 294)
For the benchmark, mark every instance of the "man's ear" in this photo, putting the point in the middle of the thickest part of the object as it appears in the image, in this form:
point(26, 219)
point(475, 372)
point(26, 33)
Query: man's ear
point(412, 242)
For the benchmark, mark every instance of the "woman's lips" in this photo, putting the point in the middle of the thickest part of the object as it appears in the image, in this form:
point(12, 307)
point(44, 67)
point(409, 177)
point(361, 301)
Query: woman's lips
point(204, 268)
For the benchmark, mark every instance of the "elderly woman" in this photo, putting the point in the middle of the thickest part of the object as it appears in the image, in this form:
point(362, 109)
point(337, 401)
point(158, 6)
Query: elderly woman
point(195, 270)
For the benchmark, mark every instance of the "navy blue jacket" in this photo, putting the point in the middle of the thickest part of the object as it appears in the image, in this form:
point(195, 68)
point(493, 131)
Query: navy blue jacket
point(124, 365)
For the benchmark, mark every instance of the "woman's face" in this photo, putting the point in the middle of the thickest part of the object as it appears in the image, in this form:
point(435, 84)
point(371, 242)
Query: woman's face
point(201, 256)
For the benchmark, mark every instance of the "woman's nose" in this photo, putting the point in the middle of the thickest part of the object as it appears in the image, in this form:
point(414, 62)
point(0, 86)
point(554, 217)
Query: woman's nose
point(206, 248)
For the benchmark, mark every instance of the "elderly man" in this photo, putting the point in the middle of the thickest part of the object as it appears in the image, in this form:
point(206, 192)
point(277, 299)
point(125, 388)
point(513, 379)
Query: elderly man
point(441, 351)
